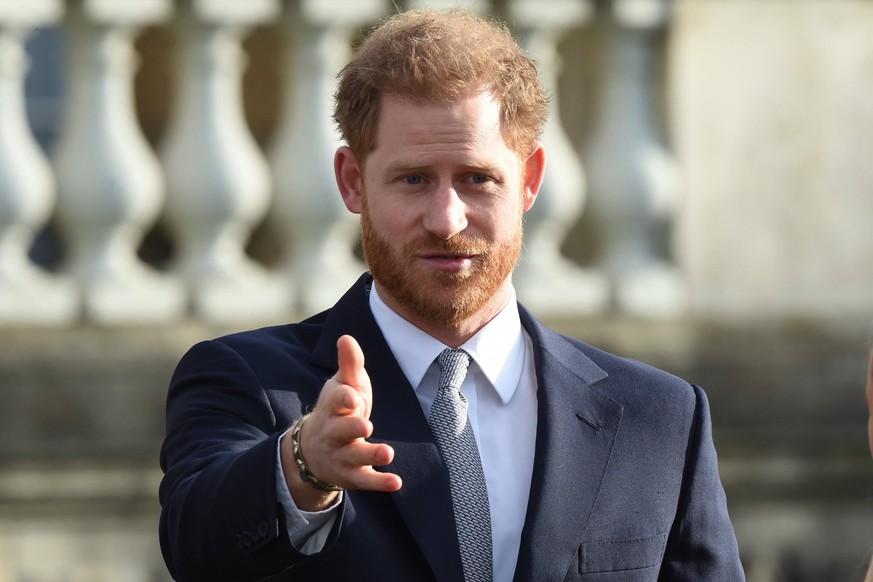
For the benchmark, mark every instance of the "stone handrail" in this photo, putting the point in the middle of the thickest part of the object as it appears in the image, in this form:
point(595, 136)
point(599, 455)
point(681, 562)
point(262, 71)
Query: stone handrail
point(210, 183)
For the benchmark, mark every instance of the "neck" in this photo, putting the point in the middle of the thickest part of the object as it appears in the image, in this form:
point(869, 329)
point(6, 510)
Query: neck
point(452, 334)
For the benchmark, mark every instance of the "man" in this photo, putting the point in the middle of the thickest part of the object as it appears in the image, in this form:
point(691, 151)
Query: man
point(340, 448)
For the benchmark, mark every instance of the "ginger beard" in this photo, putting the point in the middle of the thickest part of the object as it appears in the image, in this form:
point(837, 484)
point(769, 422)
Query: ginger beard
point(446, 297)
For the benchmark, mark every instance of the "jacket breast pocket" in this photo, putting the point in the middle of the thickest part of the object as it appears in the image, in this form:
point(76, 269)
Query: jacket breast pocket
point(643, 555)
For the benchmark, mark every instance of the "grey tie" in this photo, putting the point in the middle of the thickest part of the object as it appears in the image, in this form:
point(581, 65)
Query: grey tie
point(448, 421)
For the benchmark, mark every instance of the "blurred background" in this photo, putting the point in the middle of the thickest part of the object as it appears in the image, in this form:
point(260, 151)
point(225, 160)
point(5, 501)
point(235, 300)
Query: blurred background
point(166, 177)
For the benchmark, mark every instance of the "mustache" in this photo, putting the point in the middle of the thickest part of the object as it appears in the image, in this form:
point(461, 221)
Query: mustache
point(458, 245)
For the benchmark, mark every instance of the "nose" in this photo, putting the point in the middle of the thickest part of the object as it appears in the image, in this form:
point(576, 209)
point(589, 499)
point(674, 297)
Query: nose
point(446, 214)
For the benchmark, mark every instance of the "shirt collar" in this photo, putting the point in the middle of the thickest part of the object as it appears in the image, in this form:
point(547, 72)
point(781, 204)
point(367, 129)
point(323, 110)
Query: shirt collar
point(497, 348)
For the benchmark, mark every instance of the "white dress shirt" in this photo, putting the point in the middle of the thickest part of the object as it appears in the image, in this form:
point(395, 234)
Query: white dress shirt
point(500, 389)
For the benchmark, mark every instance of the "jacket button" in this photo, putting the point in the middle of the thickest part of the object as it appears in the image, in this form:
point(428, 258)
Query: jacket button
point(245, 540)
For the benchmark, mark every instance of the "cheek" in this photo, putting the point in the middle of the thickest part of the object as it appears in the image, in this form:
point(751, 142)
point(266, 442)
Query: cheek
point(391, 220)
point(507, 217)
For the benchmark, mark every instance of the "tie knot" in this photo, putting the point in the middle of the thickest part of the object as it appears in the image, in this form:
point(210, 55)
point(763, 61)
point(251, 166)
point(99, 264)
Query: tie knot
point(453, 367)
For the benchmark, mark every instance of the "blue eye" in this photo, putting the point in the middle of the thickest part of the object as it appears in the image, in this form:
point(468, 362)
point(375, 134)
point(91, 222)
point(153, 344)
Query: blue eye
point(413, 180)
point(479, 178)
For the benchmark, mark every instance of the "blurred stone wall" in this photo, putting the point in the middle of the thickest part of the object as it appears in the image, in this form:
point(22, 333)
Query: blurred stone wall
point(82, 422)
point(773, 123)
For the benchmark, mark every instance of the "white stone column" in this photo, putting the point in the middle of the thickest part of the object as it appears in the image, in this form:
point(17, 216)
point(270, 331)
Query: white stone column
point(110, 182)
point(634, 180)
point(28, 295)
point(545, 280)
point(319, 232)
point(217, 178)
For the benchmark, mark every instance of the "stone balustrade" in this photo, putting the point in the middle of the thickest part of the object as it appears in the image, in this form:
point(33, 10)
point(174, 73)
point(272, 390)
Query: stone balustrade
point(99, 186)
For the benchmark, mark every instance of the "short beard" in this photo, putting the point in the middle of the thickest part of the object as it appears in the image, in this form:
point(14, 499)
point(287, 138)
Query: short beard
point(445, 298)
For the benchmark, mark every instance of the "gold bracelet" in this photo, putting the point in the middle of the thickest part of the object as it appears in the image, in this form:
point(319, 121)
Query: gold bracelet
point(305, 474)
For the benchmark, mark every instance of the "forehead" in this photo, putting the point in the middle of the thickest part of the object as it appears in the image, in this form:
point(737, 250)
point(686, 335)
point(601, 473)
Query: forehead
point(472, 122)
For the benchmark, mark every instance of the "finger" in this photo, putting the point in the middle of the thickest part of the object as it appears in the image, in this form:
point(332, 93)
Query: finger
point(351, 362)
point(340, 400)
point(369, 479)
point(361, 453)
point(351, 370)
point(344, 430)
point(361, 473)
point(351, 465)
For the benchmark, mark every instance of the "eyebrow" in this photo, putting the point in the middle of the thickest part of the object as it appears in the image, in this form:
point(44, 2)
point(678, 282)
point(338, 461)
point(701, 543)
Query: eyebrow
point(403, 166)
point(485, 165)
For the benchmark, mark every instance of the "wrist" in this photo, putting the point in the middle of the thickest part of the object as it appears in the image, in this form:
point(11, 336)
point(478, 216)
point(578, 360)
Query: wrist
point(304, 472)
point(303, 495)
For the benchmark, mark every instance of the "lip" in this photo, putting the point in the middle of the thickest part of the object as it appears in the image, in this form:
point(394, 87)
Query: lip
point(443, 262)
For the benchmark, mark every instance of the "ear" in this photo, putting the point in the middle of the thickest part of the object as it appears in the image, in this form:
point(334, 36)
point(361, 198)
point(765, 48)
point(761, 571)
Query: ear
point(534, 170)
point(348, 178)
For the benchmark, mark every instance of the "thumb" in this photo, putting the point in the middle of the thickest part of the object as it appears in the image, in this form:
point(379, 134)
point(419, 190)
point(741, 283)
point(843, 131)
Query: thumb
point(351, 370)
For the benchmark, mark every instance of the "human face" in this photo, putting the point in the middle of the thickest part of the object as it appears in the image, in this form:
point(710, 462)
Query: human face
point(441, 197)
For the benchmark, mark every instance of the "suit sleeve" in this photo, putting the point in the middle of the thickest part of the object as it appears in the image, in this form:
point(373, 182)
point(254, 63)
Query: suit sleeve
point(221, 519)
point(702, 545)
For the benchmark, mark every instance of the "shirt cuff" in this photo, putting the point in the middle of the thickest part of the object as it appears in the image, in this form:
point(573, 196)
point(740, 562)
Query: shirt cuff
point(307, 530)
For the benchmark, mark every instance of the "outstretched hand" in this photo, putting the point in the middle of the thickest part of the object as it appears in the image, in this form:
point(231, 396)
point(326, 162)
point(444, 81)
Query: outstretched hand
point(332, 439)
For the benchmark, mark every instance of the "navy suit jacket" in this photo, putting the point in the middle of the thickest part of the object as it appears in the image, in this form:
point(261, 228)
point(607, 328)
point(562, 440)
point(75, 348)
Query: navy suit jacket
point(625, 482)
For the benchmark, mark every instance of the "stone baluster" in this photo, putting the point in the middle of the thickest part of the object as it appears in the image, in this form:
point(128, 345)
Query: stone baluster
point(545, 280)
point(28, 295)
point(110, 182)
point(218, 179)
point(634, 180)
point(319, 232)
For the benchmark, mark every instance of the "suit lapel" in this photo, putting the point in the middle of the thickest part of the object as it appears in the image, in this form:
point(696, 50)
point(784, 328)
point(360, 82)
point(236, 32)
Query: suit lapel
point(424, 501)
point(576, 430)
point(425, 498)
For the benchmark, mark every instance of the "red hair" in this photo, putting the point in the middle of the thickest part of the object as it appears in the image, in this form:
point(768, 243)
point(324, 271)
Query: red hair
point(440, 57)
